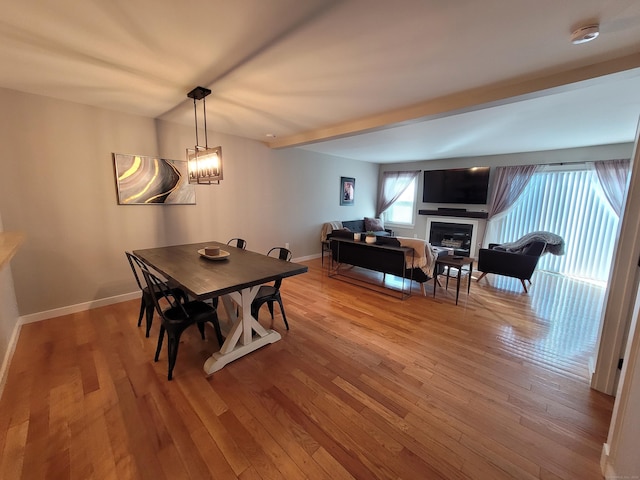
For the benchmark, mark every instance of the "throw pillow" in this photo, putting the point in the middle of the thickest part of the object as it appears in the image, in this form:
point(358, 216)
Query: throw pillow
point(373, 224)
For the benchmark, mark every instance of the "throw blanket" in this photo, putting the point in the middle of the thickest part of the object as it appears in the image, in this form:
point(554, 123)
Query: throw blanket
point(327, 228)
point(555, 243)
point(423, 258)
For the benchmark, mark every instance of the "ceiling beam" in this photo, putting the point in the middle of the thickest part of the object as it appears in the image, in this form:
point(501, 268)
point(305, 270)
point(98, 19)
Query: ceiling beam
point(467, 101)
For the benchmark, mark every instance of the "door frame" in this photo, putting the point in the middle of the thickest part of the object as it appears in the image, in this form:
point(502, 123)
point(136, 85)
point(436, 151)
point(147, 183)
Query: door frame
point(622, 288)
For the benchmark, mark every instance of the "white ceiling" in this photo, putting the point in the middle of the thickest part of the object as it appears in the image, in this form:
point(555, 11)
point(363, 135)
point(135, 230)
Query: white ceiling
point(375, 80)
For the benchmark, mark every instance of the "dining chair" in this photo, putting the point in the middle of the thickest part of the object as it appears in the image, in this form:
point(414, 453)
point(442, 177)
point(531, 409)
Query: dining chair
point(146, 302)
point(271, 293)
point(178, 317)
point(238, 243)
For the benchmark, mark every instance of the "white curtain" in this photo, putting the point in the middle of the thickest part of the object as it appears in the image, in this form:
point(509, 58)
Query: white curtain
point(393, 185)
point(613, 176)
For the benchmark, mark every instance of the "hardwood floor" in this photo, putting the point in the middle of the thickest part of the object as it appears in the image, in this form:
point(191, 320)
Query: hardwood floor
point(363, 386)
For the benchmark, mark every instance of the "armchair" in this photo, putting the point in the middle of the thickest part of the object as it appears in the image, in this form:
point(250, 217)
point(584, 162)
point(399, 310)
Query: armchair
point(517, 265)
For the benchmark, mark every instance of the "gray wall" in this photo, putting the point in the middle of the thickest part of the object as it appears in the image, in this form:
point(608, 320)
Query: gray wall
point(8, 314)
point(57, 186)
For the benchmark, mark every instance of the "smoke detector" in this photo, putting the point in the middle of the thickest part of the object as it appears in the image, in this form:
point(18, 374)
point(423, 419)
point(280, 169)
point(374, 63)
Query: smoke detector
point(585, 34)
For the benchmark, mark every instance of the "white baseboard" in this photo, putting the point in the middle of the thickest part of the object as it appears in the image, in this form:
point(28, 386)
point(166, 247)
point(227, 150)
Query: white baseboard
point(8, 355)
point(58, 312)
point(591, 364)
point(307, 257)
point(606, 469)
point(80, 307)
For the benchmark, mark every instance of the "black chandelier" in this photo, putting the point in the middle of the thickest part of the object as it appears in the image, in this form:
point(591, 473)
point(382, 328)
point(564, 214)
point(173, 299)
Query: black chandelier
point(204, 162)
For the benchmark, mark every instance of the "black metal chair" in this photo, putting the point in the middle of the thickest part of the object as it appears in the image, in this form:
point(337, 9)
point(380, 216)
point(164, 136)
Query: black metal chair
point(178, 317)
point(271, 293)
point(238, 243)
point(146, 302)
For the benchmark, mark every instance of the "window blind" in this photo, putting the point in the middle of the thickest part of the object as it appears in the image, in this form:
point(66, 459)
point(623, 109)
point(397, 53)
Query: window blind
point(572, 205)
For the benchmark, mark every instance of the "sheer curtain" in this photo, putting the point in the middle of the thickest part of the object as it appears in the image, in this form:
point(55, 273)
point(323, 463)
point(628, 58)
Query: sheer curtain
point(508, 185)
point(613, 176)
point(393, 185)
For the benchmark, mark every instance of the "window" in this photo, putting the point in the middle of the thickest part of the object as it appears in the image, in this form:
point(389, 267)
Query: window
point(401, 212)
point(572, 205)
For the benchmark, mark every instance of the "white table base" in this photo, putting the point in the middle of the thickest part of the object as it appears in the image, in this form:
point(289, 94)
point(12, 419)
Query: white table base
point(240, 339)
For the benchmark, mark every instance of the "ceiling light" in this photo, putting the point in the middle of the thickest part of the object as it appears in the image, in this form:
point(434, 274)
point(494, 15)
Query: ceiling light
point(204, 163)
point(585, 34)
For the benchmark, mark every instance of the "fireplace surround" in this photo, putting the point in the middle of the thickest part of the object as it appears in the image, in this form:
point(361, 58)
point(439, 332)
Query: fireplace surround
point(452, 235)
point(459, 234)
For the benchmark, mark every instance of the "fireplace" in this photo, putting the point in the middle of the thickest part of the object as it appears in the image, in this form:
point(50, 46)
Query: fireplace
point(454, 235)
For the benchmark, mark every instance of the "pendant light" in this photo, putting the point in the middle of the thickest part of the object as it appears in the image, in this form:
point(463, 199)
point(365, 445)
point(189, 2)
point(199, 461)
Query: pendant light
point(204, 162)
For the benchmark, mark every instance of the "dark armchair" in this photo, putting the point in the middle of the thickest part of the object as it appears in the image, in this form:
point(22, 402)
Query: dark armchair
point(517, 265)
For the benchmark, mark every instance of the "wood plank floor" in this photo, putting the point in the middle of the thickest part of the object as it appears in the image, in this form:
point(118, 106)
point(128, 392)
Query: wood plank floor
point(363, 386)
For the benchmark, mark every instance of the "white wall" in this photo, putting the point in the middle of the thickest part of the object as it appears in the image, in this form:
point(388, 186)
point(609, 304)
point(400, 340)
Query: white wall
point(620, 454)
point(58, 187)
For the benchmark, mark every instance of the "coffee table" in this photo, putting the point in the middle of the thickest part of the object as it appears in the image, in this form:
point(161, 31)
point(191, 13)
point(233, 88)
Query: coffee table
point(449, 261)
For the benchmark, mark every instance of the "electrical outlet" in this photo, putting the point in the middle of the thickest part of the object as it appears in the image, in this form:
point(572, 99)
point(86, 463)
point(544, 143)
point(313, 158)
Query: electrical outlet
point(286, 245)
point(415, 235)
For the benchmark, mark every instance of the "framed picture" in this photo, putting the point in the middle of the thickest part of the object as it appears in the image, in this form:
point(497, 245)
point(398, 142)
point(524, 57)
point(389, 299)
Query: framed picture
point(347, 190)
point(142, 180)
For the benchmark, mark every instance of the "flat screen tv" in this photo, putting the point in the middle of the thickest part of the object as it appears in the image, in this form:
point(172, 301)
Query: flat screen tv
point(461, 185)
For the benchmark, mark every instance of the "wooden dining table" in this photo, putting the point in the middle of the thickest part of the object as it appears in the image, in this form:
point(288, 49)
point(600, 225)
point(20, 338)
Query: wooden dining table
point(235, 278)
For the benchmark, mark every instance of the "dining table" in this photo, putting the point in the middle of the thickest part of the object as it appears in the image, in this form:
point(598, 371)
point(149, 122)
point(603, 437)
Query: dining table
point(235, 276)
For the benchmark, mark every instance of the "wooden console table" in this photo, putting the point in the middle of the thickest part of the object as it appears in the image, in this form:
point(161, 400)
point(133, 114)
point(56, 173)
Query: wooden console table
point(379, 258)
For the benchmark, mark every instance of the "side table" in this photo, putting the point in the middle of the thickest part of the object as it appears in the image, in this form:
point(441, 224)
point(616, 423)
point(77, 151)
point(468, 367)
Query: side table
point(456, 262)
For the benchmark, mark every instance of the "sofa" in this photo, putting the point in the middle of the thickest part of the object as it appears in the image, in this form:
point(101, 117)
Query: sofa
point(347, 228)
point(390, 260)
point(366, 224)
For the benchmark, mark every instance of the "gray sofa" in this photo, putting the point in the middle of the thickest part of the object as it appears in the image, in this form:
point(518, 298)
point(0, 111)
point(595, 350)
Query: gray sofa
point(346, 229)
point(353, 226)
point(358, 226)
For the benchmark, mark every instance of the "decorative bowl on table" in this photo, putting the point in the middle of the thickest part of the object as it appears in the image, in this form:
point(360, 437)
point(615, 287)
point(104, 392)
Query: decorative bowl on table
point(222, 254)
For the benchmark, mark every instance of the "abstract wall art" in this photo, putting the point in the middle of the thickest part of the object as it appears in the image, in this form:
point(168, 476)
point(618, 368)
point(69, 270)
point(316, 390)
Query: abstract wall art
point(144, 180)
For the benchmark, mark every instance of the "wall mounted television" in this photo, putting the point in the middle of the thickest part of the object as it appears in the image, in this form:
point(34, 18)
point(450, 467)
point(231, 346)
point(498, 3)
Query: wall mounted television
point(460, 185)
